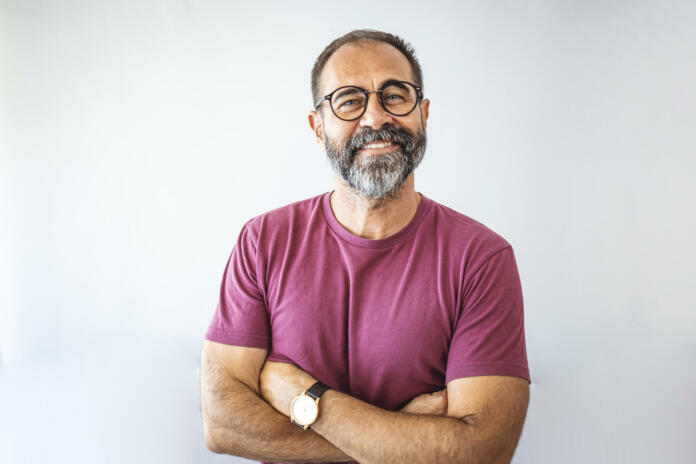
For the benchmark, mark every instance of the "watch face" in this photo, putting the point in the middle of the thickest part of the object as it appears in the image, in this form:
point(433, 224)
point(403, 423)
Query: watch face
point(304, 410)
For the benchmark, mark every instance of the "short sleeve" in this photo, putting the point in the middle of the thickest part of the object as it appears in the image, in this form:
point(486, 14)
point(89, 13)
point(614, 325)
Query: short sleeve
point(241, 317)
point(489, 334)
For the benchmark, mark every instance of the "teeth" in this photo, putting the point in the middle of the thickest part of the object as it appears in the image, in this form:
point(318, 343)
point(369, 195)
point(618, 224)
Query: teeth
point(378, 145)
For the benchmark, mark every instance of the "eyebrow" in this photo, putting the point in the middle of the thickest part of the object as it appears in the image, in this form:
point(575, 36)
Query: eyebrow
point(346, 92)
point(384, 84)
point(395, 82)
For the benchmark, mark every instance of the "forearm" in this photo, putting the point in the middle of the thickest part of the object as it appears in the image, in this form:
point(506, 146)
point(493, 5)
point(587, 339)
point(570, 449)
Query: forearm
point(244, 425)
point(374, 435)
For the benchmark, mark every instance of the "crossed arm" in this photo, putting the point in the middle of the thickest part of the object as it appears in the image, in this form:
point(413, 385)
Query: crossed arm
point(246, 404)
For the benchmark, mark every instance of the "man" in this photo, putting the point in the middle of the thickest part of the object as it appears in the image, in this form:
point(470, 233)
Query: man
point(370, 323)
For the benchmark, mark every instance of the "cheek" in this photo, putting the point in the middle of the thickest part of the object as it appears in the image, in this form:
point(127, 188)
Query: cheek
point(413, 125)
point(337, 138)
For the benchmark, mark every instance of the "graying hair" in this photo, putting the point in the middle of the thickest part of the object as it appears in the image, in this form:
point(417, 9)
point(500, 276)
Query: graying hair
point(365, 35)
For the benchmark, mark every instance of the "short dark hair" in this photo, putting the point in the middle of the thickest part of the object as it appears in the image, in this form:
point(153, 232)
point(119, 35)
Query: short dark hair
point(365, 35)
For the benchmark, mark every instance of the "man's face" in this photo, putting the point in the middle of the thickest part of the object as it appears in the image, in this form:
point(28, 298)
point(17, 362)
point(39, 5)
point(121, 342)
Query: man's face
point(376, 153)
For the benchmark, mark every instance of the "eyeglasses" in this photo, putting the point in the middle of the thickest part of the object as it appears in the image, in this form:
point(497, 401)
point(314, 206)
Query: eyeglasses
point(396, 97)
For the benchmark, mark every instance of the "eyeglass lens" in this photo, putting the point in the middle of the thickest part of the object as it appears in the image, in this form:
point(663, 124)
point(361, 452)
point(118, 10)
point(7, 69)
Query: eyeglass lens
point(398, 99)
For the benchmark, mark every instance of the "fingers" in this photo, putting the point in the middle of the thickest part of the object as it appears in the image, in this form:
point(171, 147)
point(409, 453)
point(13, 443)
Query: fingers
point(434, 403)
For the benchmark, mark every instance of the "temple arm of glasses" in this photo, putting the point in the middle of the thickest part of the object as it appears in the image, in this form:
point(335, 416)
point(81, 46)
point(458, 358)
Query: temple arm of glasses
point(316, 105)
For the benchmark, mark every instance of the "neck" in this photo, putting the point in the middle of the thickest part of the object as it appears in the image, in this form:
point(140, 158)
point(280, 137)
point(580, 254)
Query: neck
point(374, 218)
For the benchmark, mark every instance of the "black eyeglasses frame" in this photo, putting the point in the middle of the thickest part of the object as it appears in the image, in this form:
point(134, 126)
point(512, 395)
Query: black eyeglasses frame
point(327, 97)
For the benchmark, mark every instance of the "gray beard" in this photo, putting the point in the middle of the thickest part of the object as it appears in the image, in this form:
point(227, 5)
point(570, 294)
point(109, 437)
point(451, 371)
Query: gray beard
point(377, 176)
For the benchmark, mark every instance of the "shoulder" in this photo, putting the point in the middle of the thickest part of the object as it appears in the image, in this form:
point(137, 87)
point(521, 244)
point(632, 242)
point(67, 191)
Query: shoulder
point(464, 236)
point(284, 218)
point(464, 229)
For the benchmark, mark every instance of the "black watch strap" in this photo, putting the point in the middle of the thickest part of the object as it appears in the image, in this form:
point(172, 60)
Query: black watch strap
point(316, 390)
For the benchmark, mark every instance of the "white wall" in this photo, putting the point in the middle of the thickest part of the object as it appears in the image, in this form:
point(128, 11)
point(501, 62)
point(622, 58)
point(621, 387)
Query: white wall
point(137, 136)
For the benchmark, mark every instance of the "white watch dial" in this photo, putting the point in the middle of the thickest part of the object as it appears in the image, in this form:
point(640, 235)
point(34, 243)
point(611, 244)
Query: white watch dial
point(305, 410)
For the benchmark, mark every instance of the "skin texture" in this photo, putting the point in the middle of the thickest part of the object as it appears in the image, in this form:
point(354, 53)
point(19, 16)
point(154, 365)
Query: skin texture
point(245, 401)
point(483, 422)
point(368, 66)
point(236, 420)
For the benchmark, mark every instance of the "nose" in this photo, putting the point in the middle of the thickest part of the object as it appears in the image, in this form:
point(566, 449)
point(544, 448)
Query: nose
point(375, 115)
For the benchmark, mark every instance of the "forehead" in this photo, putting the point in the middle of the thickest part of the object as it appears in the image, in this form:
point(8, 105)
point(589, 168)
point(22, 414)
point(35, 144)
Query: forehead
point(365, 64)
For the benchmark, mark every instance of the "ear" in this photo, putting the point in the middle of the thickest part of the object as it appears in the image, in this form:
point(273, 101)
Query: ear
point(316, 122)
point(424, 111)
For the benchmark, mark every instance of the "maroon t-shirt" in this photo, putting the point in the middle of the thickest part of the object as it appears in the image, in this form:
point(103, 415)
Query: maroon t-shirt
point(382, 320)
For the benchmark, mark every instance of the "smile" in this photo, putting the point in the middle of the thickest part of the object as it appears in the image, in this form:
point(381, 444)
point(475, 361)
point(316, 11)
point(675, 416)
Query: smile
point(377, 145)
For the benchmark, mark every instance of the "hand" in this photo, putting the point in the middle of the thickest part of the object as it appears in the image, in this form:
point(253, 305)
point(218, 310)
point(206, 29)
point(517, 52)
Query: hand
point(434, 404)
point(280, 383)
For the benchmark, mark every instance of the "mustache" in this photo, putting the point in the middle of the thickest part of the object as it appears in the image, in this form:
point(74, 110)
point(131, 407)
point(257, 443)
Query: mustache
point(387, 133)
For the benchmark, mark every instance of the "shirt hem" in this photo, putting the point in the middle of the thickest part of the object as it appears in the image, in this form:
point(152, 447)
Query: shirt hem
point(481, 369)
point(230, 338)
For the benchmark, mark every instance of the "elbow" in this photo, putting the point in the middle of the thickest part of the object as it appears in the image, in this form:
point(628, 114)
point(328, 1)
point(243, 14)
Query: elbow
point(220, 441)
point(476, 446)
point(216, 440)
point(211, 440)
point(219, 438)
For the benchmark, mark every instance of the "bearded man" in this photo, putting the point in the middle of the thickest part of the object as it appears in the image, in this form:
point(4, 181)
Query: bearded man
point(369, 323)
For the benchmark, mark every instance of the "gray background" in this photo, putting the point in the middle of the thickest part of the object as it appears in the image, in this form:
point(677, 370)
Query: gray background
point(136, 137)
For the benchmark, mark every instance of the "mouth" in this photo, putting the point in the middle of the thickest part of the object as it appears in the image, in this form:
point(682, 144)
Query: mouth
point(379, 147)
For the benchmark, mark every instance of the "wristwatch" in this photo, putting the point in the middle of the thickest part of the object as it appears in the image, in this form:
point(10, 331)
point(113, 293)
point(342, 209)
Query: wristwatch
point(304, 410)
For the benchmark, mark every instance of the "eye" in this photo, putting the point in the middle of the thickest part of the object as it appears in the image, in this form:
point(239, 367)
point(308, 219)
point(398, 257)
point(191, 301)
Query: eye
point(349, 103)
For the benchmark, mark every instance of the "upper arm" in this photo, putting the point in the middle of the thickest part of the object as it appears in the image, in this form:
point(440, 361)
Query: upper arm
point(495, 407)
point(222, 363)
point(223, 369)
